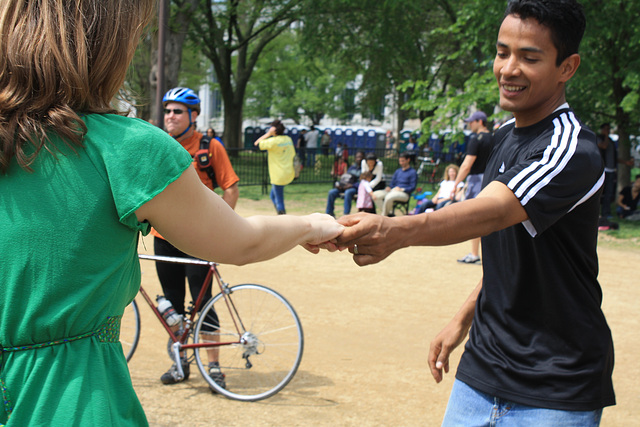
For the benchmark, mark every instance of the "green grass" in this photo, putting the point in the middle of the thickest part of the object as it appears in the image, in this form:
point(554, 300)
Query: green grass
point(299, 198)
point(626, 237)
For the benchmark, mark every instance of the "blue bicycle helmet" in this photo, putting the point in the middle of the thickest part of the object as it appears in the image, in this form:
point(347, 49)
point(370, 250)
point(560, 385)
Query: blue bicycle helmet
point(183, 95)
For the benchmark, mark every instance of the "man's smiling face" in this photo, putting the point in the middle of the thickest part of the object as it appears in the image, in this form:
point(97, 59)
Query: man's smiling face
point(531, 84)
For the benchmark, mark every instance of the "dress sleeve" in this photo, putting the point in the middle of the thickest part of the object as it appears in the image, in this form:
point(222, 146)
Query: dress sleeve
point(138, 161)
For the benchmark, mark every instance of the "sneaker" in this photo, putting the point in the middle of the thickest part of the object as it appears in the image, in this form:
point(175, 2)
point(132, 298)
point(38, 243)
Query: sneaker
point(171, 376)
point(470, 259)
point(216, 375)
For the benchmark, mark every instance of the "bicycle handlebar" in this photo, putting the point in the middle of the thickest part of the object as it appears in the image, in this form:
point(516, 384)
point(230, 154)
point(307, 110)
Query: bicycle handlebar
point(176, 260)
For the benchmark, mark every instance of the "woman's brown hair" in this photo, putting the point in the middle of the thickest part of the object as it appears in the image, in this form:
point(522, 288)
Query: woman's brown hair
point(59, 59)
point(445, 176)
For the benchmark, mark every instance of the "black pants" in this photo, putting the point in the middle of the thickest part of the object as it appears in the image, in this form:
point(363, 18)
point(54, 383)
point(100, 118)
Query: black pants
point(172, 278)
point(608, 193)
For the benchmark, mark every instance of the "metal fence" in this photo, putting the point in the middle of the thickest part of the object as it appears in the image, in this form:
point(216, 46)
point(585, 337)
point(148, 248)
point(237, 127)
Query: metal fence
point(251, 167)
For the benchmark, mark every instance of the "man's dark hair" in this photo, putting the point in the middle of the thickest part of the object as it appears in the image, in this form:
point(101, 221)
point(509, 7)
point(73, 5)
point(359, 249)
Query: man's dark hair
point(565, 19)
point(406, 155)
point(372, 156)
point(279, 127)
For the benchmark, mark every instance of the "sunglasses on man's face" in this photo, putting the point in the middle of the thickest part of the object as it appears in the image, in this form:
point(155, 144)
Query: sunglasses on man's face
point(176, 111)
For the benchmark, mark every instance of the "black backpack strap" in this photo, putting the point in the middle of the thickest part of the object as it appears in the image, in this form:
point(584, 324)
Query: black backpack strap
point(203, 159)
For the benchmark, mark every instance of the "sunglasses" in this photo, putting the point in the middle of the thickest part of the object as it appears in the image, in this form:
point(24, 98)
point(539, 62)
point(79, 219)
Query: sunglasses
point(176, 111)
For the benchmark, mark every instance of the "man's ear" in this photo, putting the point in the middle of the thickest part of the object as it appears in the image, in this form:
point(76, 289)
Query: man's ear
point(569, 67)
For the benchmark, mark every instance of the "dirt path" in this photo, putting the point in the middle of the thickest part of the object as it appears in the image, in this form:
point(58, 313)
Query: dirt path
point(367, 333)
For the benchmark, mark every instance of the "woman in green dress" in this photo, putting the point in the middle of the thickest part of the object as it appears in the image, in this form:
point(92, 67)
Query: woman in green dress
point(79, 184)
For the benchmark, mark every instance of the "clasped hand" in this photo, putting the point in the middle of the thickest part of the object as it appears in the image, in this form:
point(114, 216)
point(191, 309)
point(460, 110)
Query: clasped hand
point(366, 236)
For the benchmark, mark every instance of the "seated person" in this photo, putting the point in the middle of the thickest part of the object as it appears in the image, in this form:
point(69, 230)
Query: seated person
point(377, 168)
point(339, 167)
point(443, 196)
point(403, 183)
point(349, 189)
point(628, 200)
point(365, 194)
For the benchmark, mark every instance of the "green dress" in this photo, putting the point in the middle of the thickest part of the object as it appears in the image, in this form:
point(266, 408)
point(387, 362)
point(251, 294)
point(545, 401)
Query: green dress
point(68, 268)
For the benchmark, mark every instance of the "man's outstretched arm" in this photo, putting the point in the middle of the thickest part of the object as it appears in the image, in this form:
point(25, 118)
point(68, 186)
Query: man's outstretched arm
point(377, 237)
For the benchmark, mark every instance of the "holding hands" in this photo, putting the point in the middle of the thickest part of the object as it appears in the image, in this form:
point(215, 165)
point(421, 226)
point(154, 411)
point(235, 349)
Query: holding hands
point(369, 237)
point(324, 230)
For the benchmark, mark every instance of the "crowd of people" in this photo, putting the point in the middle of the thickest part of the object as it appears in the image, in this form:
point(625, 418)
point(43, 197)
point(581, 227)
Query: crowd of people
point(539, 350)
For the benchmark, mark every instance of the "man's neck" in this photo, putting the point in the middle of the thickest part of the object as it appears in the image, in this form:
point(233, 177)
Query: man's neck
point(528, 118)
point(187, 135)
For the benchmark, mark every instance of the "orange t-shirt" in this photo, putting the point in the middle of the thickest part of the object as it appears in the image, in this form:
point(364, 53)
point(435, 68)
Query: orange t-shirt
point(224, 173)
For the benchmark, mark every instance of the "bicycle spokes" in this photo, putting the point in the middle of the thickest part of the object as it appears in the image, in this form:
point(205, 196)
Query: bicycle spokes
point(263, 358)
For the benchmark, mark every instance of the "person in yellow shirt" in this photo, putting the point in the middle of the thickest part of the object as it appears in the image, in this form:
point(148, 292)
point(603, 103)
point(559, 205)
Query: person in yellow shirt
point(280, 153)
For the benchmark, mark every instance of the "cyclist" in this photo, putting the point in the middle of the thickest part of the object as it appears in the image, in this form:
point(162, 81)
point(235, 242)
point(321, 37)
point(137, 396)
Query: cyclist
point(181, 108)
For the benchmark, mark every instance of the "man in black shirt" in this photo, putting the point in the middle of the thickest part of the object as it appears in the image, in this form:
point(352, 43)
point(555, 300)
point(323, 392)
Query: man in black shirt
point(539, 350)
point(478, 150)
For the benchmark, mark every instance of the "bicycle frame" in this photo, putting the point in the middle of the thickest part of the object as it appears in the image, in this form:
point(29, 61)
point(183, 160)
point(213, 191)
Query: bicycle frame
point(247, 340)
point(179, 343)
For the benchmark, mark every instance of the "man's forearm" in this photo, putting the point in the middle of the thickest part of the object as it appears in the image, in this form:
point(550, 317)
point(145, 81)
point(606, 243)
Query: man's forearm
point(495, 210)
point(231, 194)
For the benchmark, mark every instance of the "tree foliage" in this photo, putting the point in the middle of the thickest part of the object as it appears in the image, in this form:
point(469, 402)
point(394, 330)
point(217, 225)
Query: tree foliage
point(606, 87)
point(387, 43)
point(293, 83)
point(470, 83)
point(232, 34)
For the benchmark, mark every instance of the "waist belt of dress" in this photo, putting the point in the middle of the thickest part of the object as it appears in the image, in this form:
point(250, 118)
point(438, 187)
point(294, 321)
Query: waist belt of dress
point(109, 331)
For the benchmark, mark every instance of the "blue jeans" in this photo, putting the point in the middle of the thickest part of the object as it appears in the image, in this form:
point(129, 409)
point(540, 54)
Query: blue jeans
point(348, 196)
point(469, 407)
point(311, 157)
point(277, 197)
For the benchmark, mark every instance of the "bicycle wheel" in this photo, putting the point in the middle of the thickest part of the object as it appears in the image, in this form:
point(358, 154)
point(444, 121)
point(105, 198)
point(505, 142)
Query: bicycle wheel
point(130, 329)
point(265, 350)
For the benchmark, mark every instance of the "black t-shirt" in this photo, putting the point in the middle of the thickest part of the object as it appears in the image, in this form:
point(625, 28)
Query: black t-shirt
point(539, 336)
point(480, 145)
point(627, 199)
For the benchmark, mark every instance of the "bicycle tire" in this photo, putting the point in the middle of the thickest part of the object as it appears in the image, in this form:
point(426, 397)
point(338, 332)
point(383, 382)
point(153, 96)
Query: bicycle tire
point(130, 330)
point(272, 348)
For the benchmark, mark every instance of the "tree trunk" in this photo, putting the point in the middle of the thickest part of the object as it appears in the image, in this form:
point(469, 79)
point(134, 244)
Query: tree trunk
point(176, 34)
point(624, 149)
point(233, 134)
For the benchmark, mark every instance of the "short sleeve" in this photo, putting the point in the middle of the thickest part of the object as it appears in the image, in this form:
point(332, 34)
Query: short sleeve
point(139, 161)
point(266, 144)
point(225, 175)
point(472, 146)
point(553, 180)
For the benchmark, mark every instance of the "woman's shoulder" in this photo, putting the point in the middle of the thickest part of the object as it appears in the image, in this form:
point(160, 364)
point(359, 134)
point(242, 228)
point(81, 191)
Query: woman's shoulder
point(115, 122)
point(114, 135)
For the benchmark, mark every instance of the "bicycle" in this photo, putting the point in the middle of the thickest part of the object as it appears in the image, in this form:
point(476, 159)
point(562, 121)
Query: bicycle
point(428, 162)
point(254, 330)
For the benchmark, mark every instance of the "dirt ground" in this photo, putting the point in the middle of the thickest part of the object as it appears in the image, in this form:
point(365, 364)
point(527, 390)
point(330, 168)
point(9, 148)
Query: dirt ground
point(367, 333)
